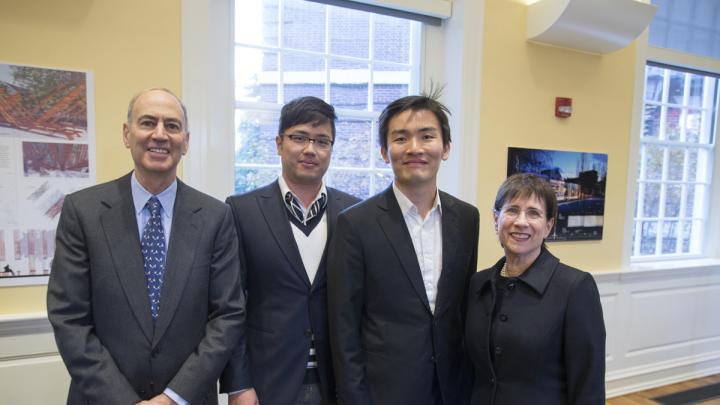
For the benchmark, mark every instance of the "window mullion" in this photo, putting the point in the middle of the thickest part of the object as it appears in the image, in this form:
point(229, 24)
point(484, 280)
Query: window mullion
point(281, 53)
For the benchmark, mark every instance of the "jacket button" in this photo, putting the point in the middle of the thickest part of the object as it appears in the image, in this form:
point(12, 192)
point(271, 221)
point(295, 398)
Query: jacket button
point(511, 286)
point(308, 332)
point(498, 350)
point(503, 318)
point(432, 358)
point(492, 380)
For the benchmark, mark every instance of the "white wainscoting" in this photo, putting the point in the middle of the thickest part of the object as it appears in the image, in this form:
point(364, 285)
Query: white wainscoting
point(31, 371)
point(663, 326)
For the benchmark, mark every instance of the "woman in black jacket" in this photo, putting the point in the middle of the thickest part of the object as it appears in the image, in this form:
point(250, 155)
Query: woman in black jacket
point(534, 328)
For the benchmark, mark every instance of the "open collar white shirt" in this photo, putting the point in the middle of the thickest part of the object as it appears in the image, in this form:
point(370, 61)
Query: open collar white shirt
point(426, 235)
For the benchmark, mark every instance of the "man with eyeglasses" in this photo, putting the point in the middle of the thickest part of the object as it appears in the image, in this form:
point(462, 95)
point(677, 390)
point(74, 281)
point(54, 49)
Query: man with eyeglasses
point(283, 230)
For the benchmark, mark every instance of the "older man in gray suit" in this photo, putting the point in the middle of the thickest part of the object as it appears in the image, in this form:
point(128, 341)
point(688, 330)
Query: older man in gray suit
point(144, 294)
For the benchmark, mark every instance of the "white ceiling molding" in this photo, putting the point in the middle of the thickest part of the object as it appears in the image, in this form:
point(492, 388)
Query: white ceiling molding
point(434, 8)
point(594, 26)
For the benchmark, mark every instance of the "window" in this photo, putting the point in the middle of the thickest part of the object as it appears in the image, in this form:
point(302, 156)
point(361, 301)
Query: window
point(355, 60)
point(690, 26)
point(677, 144)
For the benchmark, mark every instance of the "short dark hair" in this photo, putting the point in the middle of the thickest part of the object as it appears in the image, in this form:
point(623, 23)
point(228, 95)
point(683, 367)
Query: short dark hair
point(526, 185)
point(415, 103)
point(304, 110)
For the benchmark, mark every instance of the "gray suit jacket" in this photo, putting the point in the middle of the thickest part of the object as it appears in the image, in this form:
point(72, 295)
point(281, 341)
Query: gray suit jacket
point(100, 311)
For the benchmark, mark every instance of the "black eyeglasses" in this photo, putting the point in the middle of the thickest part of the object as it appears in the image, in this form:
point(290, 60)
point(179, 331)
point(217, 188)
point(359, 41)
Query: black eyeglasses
point(322, 143)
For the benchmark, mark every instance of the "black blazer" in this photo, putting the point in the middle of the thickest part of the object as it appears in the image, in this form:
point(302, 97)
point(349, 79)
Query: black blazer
point(387, 344)
point(550, 342)
point(284, 308)
point(99, 308)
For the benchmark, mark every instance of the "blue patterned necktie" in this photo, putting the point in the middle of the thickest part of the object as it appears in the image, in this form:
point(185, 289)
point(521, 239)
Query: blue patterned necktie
point(153, 250)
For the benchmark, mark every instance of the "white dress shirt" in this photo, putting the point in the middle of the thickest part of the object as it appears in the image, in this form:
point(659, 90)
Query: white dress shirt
point(426, 235)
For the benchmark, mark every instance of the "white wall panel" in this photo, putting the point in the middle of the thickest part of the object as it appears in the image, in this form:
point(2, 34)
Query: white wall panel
point(663, 326)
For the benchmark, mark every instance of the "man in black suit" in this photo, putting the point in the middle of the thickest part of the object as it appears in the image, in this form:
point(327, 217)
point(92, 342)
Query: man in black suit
point(398, 268)
point(144, 295)
point(283, 230)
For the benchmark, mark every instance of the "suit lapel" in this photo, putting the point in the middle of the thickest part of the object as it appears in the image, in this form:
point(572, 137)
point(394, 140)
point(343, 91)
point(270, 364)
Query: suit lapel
point(450, 242)
point(185, 232)
point(393, 225)
point(332, 211)
point(274, 210)
point(121, 233)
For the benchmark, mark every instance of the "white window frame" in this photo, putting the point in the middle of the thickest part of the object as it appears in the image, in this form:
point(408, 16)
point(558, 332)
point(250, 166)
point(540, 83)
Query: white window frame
point(451, 55)
point(709, 248)
point(342, 113)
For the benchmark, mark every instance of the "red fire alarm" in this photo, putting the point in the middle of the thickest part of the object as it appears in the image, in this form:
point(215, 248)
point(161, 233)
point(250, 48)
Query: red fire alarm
point(563, 107)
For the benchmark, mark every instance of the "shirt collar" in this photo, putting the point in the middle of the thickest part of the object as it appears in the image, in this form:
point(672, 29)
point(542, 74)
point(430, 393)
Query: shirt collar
point(141, 196)
point(537, 276)
point(407, 206)
point(284, 189)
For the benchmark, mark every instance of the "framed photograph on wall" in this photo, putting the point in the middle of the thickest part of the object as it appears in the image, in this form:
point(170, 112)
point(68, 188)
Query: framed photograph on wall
point(579, 180)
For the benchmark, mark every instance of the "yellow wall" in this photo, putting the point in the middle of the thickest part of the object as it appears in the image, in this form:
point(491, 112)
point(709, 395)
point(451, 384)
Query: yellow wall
point(128, 45)
point(519, 85)
point(134, 44)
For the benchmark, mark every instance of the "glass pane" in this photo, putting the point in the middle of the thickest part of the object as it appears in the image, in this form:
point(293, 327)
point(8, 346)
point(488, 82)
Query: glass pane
point(247, 179)
point(696, 90)
point(693, 203)
point(379, 161)
point(653, 162)
point(648, 235)
point(303, 25)
point(255, 75)
point(255, 137)
point(352, 146)
point(691, 236)
point(390, 83)
point(676, 162)
point(669, 236)
point(651, 121)
point(256, 22)
point(706, 134)
point(303, 75)
point(651, 200)
point(357, 184)
point(672, 124)
point(349, 83)
point(391, 39)
point(382, 181)
point(677, 83)
point(653, 83)
point(693, 122)
point(687, 228)
point(672, 200)
point(692, 165)
point(349, 32)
